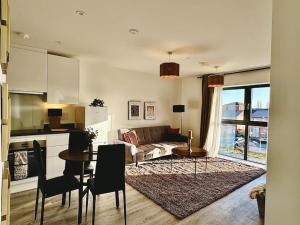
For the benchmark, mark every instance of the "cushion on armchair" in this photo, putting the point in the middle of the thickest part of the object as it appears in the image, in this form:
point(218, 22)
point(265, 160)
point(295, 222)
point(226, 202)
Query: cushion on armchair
point(131, 137)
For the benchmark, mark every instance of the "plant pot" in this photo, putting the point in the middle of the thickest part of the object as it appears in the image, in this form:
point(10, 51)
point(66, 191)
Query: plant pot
point(90, 148)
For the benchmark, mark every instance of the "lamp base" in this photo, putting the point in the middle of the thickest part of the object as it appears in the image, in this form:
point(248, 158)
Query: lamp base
point(190, 144)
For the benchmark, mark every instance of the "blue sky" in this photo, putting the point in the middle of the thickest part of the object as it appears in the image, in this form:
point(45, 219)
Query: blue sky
point(258, 95)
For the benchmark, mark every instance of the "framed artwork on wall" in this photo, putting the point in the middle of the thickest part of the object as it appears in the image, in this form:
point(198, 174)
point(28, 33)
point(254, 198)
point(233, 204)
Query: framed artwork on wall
point(135, 110)
point(150, 110)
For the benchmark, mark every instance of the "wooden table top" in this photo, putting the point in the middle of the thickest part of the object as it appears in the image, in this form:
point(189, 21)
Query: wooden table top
point(77, 156)
point(184, 151)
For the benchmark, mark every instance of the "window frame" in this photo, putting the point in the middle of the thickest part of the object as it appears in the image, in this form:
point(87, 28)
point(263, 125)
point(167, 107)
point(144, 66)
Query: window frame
point(247, 113)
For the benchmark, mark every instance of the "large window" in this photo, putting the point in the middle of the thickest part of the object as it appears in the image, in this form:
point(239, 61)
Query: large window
point(245, 115)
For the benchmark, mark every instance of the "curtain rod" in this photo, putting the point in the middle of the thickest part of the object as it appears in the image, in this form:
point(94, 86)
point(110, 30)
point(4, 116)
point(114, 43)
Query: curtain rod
point(237, 71)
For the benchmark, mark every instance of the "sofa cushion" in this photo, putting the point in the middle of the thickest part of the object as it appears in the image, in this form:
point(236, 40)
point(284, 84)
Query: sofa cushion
point(140, 134)
point(175, 138)
point(156, 134)
point(172, 130)
point(121, 132)
point(148, 135)
point(131, 137)
point(155, 150)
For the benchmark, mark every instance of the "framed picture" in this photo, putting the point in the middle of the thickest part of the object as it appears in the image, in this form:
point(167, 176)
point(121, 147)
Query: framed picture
point(135, 110)
point(150, 110)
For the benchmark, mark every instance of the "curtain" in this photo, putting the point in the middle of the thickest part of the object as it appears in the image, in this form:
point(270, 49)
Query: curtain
point(212, 143)
point(207, 94)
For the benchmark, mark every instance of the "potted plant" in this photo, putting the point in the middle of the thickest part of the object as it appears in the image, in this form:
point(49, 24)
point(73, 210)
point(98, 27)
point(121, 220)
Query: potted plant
point(91, 134)
point(259, 193)
point(97, 103)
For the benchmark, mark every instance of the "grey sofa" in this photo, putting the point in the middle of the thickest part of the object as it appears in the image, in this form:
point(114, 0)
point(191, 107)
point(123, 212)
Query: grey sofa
point(154, 142)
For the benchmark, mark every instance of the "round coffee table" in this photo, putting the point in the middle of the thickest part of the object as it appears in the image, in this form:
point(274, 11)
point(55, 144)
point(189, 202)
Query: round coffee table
point(195, 153)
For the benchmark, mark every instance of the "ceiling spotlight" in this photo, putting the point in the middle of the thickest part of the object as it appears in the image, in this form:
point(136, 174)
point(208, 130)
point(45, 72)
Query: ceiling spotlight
point(133, 31)
point(58, 43)
point(80, 12)
point(203, 63)
point(22, 35)
point(26, 36)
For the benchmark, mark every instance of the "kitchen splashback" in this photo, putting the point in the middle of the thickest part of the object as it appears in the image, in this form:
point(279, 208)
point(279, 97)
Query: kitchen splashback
point(27, 111)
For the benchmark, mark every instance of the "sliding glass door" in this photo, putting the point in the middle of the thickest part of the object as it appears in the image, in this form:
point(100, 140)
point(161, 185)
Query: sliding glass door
point(245, 115)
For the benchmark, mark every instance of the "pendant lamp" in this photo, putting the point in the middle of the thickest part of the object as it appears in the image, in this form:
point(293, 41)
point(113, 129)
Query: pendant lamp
point(216, 80)
point(169, 70)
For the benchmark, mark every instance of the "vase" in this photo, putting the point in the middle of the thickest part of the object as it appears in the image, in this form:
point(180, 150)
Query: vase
point(90, 149)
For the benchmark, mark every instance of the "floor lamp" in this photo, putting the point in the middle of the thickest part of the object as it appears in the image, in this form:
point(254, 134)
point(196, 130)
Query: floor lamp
point(179, 109)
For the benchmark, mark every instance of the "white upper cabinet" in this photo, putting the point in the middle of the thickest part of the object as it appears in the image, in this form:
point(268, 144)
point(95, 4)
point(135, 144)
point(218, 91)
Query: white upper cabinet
point(27, 71)
point(63, 80)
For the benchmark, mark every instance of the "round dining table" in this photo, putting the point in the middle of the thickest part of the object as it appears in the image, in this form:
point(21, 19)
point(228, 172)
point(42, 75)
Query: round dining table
point(79, 156)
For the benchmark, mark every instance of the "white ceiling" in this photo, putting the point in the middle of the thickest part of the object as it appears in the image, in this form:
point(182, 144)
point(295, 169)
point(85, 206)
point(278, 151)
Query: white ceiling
point(233, 34)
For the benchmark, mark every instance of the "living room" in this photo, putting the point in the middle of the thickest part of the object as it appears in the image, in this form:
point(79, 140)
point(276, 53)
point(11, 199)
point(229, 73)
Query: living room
point(190, 92)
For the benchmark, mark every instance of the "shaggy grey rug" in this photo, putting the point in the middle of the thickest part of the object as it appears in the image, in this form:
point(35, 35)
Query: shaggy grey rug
point(179, 192)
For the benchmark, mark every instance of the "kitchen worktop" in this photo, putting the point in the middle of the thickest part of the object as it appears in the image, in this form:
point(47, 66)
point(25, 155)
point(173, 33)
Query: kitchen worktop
point(29, 132)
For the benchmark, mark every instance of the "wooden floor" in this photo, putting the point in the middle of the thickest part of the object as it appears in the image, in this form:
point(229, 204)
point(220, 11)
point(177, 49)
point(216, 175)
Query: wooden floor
point(234, 209)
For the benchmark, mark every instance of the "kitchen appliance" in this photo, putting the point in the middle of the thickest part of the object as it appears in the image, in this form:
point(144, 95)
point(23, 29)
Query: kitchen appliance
point(29, 164)
point(54, 118)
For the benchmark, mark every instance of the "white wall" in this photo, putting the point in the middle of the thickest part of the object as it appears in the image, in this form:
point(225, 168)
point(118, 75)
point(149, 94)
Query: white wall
point(248, 78)
point(191, 98)
point(117, 86)
point(283, 177)
point(192, 92)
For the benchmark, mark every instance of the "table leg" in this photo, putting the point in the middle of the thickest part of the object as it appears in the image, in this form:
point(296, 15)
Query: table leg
point(195, 167)
point(80, 194)
point(171, 162)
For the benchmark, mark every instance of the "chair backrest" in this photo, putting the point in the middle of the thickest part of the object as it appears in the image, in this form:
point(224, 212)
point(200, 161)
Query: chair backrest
point(110, 168)
point(41, 168)
point(78, 141)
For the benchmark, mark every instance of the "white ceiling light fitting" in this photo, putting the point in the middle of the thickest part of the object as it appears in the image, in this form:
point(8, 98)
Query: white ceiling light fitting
point(26, 36)
point(133, 31)
point(80, 12)
point(203, 63)
point(22, 35)
point(58, 43)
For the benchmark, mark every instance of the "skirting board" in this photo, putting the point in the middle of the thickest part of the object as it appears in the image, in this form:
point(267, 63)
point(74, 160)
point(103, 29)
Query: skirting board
point(23, 185)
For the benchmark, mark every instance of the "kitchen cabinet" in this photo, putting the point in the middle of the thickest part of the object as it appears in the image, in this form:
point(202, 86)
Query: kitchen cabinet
point(4, 47)
point(4, 113)
point(63, 80)
point(95, 118)
point(5, 200)
point(5, 104)
point(4, 36)
point(27, 71)
point(5, 142)
point(55, 144)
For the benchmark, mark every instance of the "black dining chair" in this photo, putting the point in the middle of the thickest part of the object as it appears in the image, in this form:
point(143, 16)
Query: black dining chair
point(50, 187)
point(77, 142)
point(110, 174)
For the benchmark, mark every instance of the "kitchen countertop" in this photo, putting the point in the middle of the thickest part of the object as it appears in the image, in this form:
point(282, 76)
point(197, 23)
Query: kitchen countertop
point(15, 133)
